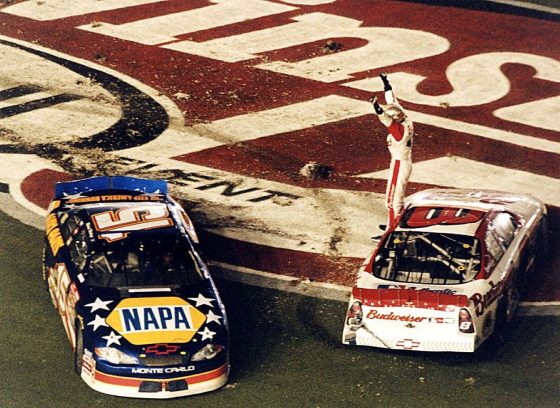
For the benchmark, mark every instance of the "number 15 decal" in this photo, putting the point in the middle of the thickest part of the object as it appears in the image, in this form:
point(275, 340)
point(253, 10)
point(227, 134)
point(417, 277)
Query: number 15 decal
point(115, 225)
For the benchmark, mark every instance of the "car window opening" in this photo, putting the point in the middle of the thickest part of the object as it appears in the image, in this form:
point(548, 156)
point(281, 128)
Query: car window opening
point(423, 257)
point(143, 263)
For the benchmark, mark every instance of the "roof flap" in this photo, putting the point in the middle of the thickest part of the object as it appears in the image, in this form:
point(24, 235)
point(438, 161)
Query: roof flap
point(68, 188)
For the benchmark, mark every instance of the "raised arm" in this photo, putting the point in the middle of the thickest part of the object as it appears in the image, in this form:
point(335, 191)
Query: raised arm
point(381, 114)
point(389, 94)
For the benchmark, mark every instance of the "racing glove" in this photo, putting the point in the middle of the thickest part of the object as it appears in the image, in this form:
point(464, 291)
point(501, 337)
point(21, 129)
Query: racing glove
point(376, 106)
point(387, 86)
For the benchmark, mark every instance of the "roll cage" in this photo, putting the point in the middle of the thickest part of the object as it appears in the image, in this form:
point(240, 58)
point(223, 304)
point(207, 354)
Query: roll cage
point(427, 257)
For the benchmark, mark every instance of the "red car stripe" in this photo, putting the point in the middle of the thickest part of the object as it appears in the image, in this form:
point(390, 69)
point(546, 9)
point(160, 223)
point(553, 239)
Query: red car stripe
point(408, 297)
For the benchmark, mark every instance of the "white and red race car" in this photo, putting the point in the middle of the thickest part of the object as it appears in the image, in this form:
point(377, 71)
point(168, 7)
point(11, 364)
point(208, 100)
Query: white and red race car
point(449, 273)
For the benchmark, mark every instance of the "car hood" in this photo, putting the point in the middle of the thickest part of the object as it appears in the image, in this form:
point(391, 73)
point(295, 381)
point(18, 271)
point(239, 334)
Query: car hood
point(136, 318)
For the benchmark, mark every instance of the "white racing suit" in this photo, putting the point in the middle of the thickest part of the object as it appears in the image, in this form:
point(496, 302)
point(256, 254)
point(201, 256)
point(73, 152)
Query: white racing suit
point(399, 142)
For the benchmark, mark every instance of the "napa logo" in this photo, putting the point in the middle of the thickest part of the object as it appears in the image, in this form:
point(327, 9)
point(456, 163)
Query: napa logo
point(156, 320)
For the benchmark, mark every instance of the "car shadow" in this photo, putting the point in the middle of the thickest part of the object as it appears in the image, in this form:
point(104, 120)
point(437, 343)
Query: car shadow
point(254, 326)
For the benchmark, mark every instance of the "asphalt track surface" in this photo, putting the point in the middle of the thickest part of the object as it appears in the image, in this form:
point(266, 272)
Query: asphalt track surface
point(231, 124)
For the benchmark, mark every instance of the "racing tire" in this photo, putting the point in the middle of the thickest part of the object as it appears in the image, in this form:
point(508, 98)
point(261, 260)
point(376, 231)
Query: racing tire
point(543, 239)
point(79, 350)
point(500, 323)
point(504, 324)
point(512, 303)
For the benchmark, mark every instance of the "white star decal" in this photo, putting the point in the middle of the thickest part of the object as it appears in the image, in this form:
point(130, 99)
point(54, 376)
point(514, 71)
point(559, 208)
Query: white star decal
point(98, 321)
point(70, 196)
point(207, 334)
point(201, 300)
point(99, 304)
point(112, 338)
point(212, 317)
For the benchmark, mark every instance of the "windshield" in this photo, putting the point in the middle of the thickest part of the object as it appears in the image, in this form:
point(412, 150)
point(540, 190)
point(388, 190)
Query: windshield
point(432, 258)
point(152, 261)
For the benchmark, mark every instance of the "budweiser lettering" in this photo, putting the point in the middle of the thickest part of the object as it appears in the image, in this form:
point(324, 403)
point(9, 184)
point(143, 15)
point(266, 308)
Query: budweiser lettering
point(374, 314)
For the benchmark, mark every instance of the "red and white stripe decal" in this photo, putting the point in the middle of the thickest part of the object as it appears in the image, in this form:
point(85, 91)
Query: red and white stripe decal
point(135, 382)
point(409, 298)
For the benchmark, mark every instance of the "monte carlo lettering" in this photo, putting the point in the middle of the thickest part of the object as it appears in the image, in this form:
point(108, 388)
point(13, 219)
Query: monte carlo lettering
point(166, 370)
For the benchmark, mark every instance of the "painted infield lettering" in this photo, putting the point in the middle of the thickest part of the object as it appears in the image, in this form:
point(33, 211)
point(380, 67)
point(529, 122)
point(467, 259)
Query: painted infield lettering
point(203, 182)
point(132, 129)
point(228, 186)
point(475, 80)
point(165, 28)
point(57, 9)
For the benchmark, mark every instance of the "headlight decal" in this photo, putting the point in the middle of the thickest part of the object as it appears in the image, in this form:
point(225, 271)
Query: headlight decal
point(115, 356)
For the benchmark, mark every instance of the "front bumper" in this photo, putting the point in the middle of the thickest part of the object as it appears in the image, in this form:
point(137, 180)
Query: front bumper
point(157, 388)
point(410, 339)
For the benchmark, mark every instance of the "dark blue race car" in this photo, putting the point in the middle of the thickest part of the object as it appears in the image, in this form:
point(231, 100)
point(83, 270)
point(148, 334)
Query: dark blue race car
point(138, 304)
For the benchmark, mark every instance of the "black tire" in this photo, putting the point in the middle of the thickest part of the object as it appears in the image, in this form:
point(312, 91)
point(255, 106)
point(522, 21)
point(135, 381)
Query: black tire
point(501, 317)
point(497, 338)
point(514, 298)
point(543, 245)
point(79, 351)
point(505, 316)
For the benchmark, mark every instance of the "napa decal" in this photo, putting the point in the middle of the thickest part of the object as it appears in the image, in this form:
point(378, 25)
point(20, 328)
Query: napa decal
point(156, 320)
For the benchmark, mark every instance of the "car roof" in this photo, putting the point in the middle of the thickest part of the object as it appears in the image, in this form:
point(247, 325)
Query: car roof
point(106, 183)
point(442, 219)
point(521, 205)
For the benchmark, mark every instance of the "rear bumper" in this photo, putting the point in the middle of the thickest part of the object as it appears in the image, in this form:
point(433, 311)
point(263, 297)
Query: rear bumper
point(157, 388)
point(409, 339)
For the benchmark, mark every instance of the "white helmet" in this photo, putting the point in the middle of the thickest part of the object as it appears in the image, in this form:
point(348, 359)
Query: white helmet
point(395, 112)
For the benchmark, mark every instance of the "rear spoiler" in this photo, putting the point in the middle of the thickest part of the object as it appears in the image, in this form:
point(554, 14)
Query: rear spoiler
point(408, 298)
point(66, 188)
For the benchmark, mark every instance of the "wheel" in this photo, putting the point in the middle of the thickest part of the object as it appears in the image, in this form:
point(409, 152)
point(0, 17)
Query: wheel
point(505, 312)
point(543, 245)
point(500, 323)
point(79, 350)
point(513, 299)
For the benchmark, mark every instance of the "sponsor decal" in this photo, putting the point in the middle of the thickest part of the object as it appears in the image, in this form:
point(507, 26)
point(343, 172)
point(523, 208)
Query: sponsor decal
point(445, 291)
point(441, 320)
point(483, 301)
point(115, 197)
point(430, 216)
point(374, 314)
point(163, 370)
point(162, 349)
point(54, 235)
point(111, 224)
point(407, 344)
point(156, 320)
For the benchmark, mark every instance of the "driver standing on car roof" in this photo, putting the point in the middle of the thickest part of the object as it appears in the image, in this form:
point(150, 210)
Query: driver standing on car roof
point(399, 142)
